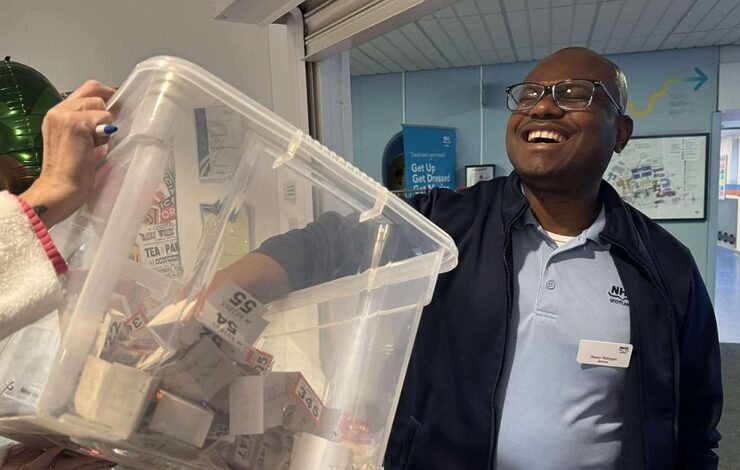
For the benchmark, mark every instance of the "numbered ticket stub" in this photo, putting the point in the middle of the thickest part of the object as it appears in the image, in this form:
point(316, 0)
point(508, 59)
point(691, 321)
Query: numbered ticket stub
point(308, 398)
point(181, 419)
point(260, 361)
point(251, 452)
point(113, 395)
point(220, 430)
point(234, 315)
point(136, 322)
point(246, 405)
point(291, 402)
point(112, 329)
point(200, 373)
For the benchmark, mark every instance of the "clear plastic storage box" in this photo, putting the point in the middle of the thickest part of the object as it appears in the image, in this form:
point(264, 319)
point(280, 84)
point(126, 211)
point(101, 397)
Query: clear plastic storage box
point(171, 349)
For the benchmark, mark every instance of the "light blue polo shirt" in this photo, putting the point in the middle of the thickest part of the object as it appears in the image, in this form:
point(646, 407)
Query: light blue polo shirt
point(556, 414)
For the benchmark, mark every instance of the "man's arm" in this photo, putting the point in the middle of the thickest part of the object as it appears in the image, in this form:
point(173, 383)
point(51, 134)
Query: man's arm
point(701, 382)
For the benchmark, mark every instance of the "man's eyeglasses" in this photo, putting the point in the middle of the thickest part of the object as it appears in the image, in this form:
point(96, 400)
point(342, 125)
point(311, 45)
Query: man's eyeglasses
point(576, 93)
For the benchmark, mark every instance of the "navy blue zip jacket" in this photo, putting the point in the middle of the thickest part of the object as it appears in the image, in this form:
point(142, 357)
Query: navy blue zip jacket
point(446, 418)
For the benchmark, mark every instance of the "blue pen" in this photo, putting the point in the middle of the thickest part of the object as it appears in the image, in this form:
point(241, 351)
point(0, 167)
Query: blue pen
point(105, 130)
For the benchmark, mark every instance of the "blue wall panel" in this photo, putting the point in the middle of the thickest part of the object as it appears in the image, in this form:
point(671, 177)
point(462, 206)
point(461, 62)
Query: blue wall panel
point(377, 109)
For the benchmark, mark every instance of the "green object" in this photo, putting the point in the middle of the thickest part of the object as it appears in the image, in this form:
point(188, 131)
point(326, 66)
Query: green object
point(25, 97)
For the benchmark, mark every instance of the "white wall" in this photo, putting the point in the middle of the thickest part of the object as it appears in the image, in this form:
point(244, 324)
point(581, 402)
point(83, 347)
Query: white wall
point(72, 40)
point(729, 78)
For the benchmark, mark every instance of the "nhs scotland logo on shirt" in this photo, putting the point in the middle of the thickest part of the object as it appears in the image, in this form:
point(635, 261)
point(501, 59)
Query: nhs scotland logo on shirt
point(617, 295)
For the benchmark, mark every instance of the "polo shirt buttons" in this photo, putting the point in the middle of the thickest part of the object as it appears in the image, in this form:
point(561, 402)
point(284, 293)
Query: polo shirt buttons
point(550, 284)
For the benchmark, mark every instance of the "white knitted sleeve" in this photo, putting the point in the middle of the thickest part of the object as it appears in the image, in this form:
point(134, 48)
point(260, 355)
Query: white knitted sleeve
point(29, 286)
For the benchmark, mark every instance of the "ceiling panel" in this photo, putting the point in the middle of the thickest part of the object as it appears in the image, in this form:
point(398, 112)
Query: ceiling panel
point(716, 14)
point(731, 20)
point(615, 46)
point(537, 4)
point(732, 36)
point(506, 55)
point(514, 5)
point(442, 41)
point(634, 44)
point(653, 42)
point(605, 20)
point(467, 8)
point(692, 39)
point(628, 18)
point(673, 16)
point(519, 27)
point(651, 15)
point(414, 33)
point(539, 22)
point(474, 32)
point(478, 32)
point(380, 57)
point(487, 7)
point(499, 31)
point(582, 21)
point(711, 37)
point(394, 53)
point(695, 15)
point(368, 62)
point(562, 21)
point(673, 41)
point(410, 50)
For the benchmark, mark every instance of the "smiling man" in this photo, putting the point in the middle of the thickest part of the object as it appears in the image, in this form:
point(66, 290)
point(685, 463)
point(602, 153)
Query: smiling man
point(575, 332)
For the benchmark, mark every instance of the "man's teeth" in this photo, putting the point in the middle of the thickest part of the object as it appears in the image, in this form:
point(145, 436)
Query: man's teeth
point(550, 135)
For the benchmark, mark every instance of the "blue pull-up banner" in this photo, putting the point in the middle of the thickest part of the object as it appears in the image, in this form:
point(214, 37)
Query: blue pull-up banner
point(430, 154)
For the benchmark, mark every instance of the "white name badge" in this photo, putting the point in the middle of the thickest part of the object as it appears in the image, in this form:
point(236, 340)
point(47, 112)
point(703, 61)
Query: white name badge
point(602, 353)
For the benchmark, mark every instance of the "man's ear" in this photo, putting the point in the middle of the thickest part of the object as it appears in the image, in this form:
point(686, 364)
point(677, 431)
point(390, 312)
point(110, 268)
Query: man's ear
point(624, 132)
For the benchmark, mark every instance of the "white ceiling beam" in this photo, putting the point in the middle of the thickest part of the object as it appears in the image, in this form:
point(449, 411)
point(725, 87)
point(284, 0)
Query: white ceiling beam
point(366, 24)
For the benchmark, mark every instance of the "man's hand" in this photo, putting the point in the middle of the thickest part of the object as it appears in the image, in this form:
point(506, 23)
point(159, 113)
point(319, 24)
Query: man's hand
point(72, 153)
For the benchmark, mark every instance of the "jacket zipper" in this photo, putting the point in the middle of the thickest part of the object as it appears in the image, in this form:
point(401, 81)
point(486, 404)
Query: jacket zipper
point(509, 302)
point(674, 339)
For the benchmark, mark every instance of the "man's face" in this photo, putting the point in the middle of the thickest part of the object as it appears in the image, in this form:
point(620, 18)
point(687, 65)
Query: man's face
point(584, 139)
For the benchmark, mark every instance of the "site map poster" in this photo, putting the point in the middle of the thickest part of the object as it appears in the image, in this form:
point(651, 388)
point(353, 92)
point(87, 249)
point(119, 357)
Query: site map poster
point(663, 177)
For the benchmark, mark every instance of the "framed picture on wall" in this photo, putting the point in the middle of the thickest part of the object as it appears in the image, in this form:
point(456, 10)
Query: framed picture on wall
point(664, 177)
point(476, 173)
